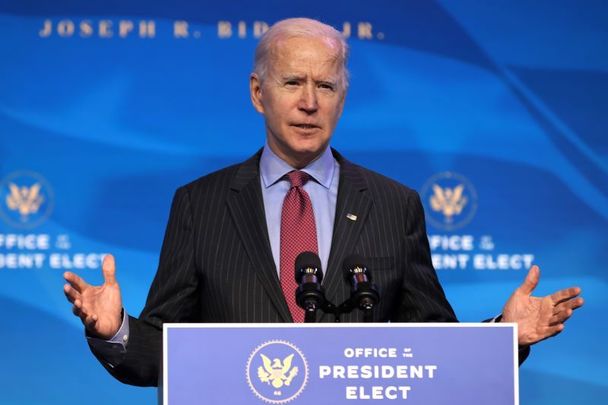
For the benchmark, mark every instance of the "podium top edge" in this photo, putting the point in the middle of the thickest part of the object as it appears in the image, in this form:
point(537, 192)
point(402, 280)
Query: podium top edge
point(340, 325)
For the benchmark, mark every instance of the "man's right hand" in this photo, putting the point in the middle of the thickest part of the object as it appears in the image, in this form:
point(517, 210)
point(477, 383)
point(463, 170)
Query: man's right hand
point(98, 307)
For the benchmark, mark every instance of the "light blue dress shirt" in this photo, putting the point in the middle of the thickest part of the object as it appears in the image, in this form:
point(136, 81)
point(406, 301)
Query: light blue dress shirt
point(322, 189)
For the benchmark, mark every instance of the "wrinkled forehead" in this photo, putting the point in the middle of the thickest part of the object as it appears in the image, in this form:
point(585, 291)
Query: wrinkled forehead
point(302, 51)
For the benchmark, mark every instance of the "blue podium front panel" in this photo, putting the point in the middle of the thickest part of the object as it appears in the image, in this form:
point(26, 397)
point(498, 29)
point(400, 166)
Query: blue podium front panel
point(338, 364)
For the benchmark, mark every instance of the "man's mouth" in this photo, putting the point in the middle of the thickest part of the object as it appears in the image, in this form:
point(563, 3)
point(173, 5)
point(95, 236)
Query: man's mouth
point(305, 126)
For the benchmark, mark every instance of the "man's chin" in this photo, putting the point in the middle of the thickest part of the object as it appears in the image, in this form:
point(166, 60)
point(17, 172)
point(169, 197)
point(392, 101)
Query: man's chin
point(300, 152)
point(301, 157)
point(304, 157)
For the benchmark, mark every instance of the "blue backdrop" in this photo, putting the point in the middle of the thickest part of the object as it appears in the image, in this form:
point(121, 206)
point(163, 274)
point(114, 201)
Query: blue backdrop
point(494, 111)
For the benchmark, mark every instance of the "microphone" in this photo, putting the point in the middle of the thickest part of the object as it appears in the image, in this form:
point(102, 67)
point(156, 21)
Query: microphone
point(310, 295)
point(364, 293)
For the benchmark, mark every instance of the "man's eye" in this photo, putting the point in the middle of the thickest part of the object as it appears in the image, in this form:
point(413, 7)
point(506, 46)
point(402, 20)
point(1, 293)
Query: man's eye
point(326, 86)
point(291, 83)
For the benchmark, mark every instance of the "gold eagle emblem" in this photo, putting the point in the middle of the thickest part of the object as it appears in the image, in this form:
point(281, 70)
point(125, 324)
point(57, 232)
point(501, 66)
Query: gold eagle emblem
point(276, 372)
point(25, 200)
point(448, 201)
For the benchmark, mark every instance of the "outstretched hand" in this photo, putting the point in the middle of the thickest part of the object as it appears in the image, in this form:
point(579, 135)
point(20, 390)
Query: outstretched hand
point(98, 307)
point(539, 318)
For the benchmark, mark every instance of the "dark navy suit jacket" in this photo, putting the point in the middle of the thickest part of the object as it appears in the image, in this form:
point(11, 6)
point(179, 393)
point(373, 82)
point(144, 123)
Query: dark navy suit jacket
point(216, 263)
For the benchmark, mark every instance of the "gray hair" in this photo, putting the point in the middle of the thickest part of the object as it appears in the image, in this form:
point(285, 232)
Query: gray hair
point(298, 28)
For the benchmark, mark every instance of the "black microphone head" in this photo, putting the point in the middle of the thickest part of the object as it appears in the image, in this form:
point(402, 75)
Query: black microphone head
point(307, 263)
point(364, 293)
point(353, 263)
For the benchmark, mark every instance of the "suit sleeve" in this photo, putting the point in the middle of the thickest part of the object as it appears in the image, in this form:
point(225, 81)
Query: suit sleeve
point(173, 297)
point(423, 299)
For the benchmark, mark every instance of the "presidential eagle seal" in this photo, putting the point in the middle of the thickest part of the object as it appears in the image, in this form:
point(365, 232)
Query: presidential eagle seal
point(452, 200)
point(277, 371)
point(26, 199)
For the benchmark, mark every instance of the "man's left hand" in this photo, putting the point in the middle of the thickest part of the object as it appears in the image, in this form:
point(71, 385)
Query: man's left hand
point(539, 318)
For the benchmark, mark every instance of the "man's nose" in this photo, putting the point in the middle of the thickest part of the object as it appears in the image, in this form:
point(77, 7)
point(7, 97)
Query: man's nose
point(308, 99)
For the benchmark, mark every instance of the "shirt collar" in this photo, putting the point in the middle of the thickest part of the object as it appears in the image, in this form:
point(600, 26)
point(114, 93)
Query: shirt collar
point(273, 168)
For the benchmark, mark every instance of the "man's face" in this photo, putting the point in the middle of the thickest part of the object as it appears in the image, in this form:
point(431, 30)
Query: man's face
point(301, 98)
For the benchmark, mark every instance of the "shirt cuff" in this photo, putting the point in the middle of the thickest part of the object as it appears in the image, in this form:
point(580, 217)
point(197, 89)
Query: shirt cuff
point(114, 349)
point(122, 336)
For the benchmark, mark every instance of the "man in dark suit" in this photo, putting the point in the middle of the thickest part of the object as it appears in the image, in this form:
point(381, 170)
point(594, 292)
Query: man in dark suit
point(226, 256)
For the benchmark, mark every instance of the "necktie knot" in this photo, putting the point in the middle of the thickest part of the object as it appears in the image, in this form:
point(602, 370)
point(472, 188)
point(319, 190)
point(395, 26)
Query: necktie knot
point(297, 178)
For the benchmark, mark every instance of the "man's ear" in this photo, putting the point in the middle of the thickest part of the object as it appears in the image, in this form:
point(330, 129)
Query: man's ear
point(255, 92)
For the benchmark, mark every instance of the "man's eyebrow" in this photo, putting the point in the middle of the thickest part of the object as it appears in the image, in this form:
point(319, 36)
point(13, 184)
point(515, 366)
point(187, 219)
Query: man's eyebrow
point(328, 80)
point(292, 77)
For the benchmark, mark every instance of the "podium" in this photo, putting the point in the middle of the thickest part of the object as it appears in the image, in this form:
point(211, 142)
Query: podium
point(333, 364)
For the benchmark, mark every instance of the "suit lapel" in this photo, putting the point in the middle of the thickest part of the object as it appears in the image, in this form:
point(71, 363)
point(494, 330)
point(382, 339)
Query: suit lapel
point(352, 207)
point(247, 209)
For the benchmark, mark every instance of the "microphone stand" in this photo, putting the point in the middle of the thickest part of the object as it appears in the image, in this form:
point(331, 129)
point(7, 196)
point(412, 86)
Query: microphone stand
point(347, 307)
point(310, 313)
point(367, 307)
point(312, 298)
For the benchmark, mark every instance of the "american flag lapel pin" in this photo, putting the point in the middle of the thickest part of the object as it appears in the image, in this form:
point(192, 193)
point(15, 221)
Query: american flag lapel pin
point(352, 217)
